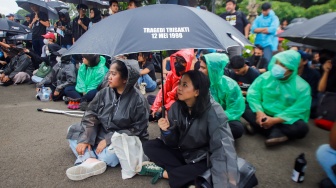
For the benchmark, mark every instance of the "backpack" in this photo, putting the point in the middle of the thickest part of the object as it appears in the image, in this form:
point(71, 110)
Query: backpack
point(326, 111)
point(43, 70)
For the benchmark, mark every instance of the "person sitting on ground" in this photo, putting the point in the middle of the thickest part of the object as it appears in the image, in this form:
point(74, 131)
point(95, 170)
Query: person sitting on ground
point(328, 79)
point(312, 77)
point(63, 74)
point(257, 60)
point(95, 16)
point(224, 90)
point(147, 73)
point(326, 156)
point(194, 127)
point(118, 108)
point(50, 48)
point(19, 69)
point(180, 62)
point(242, 73)
point(279, 100)
point(90, 74)
point(4, 58)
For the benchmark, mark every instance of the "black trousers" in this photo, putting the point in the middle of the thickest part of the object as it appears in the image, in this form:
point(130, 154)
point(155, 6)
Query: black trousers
point(297, 130)
point(237, 128)
point(53, 88)
point(180, 173)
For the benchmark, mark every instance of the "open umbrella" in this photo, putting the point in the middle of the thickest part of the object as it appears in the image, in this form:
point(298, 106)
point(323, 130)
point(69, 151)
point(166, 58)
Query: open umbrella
point(13, 27)
point(18, 17)
point(156, 28)
point(44, 7)
point(58, 5)
point(22, 37)
point(318, 31)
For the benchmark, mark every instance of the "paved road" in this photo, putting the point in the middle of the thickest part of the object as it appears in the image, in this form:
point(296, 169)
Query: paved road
point(35, 153)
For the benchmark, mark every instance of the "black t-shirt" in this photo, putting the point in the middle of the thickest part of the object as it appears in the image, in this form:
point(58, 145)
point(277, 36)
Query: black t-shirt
point(236, 19)
point(149, 65)
point(312, 77)
point(25, 23)
point(39, 29)
point(259, 64)
point(77, 30)
point(331, 82)
point(244, 81)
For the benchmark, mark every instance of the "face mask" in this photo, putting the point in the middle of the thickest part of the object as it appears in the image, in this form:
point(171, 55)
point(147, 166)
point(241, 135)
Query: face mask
point(45, 41)
point(278, 71)
point(58, 59)
point(178, 68)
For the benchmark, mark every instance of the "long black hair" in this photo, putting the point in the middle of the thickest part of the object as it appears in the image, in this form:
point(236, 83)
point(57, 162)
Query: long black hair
point(201, 83)
point(93, 59)
point(122, 69)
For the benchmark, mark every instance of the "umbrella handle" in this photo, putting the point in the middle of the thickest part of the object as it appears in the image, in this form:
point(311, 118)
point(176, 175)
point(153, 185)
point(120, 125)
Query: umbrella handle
point(162, 89)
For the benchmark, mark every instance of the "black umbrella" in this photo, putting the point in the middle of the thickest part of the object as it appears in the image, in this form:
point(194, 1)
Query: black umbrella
point(158, 27)
point(97, 3)
point(318, 31)
point(291, 44)
point(58, 5)
point(22, 37)
point(13, 27)
point(44, 7)
point(295, 20)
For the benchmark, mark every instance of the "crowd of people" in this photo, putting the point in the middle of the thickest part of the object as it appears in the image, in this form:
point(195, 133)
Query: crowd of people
point(208, 100)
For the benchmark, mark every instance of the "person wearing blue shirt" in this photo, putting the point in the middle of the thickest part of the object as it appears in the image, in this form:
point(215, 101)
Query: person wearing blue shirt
point(265, 26)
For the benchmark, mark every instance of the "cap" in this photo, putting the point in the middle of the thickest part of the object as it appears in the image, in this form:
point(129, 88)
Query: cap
point(82, 6)
point(49, 35)
point(10, 15)
point(27, 15)
point(237, 62)
point(304, 55)
point(266, 6)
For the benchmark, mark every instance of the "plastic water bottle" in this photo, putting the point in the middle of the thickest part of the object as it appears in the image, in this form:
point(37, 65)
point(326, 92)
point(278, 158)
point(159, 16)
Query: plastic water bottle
point(299, 168)
point(45, 94)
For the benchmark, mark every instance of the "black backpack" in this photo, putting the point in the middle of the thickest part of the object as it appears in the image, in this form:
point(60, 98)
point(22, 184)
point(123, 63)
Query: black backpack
point(326, 111)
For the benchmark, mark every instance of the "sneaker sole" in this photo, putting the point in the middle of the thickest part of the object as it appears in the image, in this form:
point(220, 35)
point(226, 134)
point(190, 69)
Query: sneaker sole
point(78, 174)
point(276, 141)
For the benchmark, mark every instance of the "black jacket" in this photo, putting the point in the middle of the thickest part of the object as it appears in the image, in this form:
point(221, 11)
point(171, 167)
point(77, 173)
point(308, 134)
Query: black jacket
point(195, 137)
point(19, 63)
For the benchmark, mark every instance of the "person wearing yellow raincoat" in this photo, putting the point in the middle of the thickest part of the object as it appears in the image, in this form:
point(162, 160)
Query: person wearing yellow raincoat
point(279, 100)
point(224, 90)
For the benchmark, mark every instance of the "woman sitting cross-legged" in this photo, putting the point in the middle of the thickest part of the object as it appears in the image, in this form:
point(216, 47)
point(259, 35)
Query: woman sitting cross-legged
point(195, 126)
point(118, 108)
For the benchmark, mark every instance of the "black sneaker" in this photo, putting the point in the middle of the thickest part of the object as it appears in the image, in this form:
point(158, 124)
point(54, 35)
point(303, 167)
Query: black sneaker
point(276, 137)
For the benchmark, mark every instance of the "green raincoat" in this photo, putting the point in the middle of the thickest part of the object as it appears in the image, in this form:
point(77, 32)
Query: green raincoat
point(90, 77)
point(288, 99)
point(224, 89)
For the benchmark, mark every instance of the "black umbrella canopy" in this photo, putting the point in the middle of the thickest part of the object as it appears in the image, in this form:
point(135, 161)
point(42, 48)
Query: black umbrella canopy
point(58, 5)
point(157, 27)
point(22, 37)
point(319, 31)
point(97, 3)
point(13, 27)
point(44, 7)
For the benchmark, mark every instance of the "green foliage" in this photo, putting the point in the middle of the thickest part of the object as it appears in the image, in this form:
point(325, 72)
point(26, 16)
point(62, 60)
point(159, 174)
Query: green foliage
point(22, 12)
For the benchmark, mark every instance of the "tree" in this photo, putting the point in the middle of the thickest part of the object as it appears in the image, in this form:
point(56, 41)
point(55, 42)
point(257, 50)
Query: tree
point(22, 12)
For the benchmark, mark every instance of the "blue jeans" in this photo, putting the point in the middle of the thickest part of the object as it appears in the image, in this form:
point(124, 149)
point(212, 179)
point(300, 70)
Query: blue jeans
point(268, 53)
point(71, 92)
point(37, 45)
point(151, 84)
point(107, 155)
point(326, 156)
point(67, 46)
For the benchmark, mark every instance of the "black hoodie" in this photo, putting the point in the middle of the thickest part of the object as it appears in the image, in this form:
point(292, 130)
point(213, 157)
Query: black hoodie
point(67, 39)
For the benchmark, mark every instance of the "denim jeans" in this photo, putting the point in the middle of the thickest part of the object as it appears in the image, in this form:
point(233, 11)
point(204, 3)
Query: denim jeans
point(151, 84)
point(326, 156)
point(107, 155)
point(268, 53)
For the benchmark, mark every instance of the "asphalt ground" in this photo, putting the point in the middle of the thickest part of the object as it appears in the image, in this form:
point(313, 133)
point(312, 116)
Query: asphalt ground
point(35, 153)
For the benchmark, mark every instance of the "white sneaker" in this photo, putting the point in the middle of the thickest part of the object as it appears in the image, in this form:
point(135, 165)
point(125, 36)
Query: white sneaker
point(87, 169)
point(143, 88)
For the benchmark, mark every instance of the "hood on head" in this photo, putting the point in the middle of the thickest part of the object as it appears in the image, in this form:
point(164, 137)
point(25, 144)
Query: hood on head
point(65, 13)
point(216, 62)
point(187, 54)
point(133, 73)
point(289, 58)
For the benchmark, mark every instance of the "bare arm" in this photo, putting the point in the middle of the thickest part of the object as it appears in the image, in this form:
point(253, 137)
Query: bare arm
point(144, 71)
point(260, 30)
point(247, 30)
point(323, 81)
